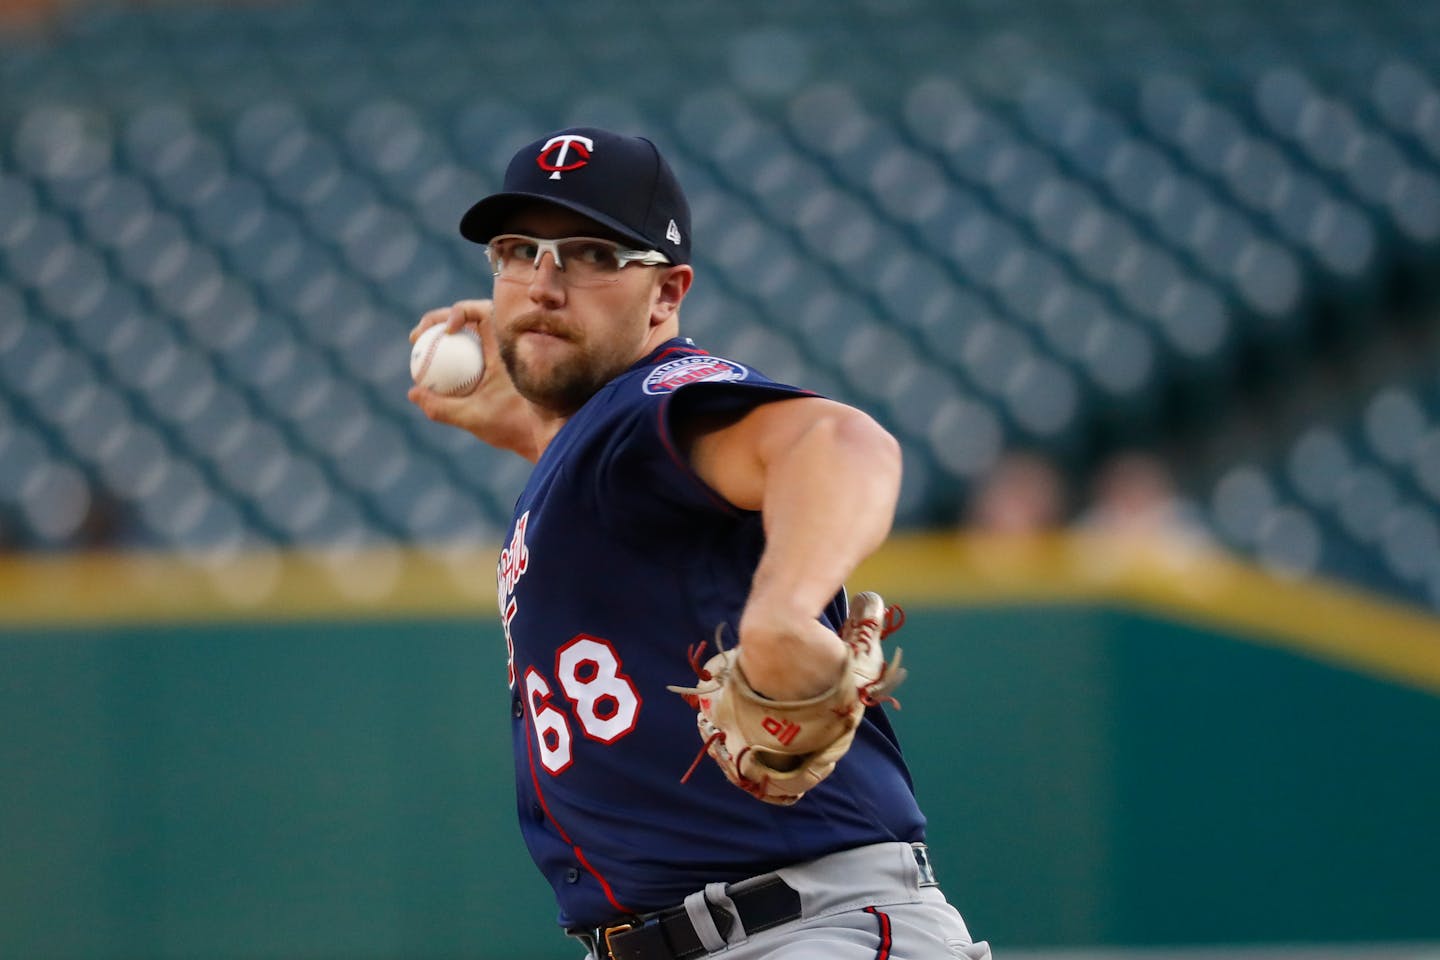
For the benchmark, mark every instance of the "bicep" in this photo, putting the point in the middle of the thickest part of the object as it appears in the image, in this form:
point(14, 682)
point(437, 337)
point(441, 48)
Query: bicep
point(731, 453)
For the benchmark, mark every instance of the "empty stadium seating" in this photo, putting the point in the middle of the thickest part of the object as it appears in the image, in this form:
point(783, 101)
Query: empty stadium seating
point(1062, 225)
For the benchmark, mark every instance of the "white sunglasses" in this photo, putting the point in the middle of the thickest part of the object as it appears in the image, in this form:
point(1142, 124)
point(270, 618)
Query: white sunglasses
point(516, 257)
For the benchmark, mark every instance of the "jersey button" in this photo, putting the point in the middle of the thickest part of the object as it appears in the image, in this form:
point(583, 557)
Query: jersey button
point(538, 812)
point(572, 875)
point(517, 707)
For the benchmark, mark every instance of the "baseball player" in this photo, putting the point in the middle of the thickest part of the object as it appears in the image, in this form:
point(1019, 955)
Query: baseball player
point(671, 587)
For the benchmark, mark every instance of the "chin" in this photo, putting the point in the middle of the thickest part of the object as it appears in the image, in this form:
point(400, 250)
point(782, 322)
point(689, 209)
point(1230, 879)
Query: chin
point(563, 391)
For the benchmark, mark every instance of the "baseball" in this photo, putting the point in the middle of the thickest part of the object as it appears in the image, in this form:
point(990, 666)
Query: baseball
point(448, 363)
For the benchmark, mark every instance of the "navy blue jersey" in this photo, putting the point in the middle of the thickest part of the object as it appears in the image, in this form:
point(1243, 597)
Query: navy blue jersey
point(619, 559)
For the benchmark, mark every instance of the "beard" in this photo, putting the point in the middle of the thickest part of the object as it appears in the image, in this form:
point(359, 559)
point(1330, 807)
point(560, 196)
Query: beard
point(560, 383)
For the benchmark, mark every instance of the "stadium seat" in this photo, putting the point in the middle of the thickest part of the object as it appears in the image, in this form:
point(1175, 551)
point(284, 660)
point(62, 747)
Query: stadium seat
point(988, 225)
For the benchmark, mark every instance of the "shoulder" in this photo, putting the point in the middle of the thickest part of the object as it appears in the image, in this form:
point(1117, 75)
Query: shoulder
point(673, 373)
point(685, 377)
point(636, 431)
point(681, 367)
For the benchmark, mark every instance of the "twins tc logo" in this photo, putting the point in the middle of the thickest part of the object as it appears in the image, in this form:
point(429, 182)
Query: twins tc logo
point(561, 146)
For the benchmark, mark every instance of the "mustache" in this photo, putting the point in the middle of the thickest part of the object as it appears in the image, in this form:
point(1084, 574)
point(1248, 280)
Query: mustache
point(544, 323)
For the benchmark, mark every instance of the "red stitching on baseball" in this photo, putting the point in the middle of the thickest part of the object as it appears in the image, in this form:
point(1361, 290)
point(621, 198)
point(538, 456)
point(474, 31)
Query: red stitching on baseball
point(429, 355)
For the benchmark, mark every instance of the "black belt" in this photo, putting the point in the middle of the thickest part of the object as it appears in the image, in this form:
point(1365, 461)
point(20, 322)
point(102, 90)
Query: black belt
point(669, 934)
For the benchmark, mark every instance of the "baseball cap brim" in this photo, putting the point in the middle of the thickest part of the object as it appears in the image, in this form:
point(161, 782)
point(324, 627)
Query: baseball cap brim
point(486, 218)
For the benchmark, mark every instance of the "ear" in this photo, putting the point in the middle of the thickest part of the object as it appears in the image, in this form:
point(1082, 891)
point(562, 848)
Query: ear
point(669, 292)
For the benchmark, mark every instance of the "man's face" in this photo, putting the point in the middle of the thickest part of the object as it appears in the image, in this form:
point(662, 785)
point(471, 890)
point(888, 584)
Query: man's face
point(561, 344)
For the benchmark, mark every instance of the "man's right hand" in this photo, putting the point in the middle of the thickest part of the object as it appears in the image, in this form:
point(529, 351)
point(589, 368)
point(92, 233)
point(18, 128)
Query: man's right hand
point(493, 411)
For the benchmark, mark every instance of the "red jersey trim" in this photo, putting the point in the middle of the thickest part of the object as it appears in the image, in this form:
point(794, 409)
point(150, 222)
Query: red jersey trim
point(684, 351)
point(579, 854)
point(662, 414)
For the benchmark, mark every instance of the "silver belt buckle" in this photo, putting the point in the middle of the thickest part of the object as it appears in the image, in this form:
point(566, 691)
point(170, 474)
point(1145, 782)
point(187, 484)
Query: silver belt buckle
point(922, 860)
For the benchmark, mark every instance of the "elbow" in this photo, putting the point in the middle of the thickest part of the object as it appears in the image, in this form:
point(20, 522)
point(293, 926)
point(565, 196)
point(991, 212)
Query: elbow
point(889, 452)
point(885, 451)
point(865, 441)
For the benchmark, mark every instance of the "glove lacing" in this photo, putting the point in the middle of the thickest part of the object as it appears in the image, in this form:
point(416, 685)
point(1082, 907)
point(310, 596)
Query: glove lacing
point(872, 694)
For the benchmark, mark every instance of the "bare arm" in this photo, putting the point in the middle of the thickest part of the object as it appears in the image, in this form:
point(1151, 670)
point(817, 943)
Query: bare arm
point(826, 479)
point(493, 411)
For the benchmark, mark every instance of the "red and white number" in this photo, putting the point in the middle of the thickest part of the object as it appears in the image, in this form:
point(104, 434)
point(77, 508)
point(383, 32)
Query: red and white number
point(601, 696)
point(605, 700)
point(551, 728)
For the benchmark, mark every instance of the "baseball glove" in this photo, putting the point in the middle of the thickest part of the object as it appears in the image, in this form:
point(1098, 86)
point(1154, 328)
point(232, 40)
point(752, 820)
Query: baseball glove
point(776, 750)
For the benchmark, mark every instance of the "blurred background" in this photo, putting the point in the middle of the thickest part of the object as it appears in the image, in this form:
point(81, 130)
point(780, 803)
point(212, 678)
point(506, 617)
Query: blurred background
point(1160, 276)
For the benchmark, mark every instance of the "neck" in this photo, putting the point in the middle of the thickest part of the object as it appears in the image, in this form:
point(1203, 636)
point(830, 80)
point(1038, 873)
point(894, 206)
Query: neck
point(544, 425)
point(545, 422)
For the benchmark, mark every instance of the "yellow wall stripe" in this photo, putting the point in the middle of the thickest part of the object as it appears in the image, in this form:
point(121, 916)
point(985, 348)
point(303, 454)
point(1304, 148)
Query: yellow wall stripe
point(152, 587)
point(1177, 580)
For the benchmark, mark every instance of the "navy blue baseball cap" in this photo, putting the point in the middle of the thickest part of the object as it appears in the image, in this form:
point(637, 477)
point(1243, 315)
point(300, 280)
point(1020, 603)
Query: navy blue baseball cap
point(621, 182)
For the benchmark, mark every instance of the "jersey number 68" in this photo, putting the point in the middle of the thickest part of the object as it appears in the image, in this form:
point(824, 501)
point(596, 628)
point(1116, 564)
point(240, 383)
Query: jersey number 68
point(602, 698)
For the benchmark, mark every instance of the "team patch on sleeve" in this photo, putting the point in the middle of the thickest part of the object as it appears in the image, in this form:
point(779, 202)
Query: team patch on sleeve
point(671, 376)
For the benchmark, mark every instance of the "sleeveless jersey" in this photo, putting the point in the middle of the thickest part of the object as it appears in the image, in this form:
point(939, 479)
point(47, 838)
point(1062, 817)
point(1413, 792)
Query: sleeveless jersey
point(619, 558)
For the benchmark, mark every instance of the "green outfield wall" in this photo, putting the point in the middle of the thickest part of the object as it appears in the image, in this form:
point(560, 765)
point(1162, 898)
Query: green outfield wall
point(327, 786)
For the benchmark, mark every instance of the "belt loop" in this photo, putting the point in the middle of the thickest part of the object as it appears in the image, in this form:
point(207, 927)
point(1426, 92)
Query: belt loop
point(922, 860)
point(715, 893)
point(699, 913)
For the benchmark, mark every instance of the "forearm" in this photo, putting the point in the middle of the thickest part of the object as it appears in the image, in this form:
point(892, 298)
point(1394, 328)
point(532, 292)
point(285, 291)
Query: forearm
point(829, 502)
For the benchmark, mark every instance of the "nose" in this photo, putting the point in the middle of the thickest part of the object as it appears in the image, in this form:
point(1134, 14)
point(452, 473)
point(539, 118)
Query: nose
point(547, 286)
